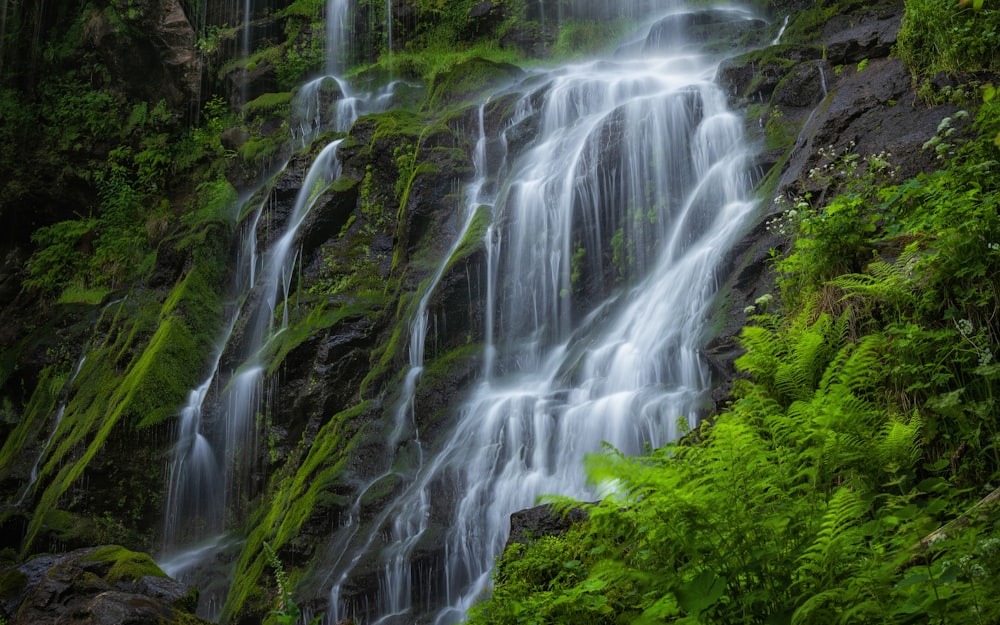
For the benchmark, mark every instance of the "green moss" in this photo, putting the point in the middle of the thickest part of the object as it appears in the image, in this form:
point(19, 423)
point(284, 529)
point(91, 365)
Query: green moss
point(260, 149)
point(135, 379)
point(77, 294)
point(467, 80)
point(268, 103)
point(475, 237)
point(441, 368)
point(388, 353)
point(301, 490)
point(586, 37)
point(32, 422)
point(125, 564)
point(318, 320)
point(12, 582)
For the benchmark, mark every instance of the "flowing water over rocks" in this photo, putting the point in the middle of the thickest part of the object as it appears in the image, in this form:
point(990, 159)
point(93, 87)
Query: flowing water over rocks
point(638, 175)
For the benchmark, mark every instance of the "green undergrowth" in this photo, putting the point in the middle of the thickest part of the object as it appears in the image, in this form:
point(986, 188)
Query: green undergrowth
point(853, 478)
point(145, 355)
point(427, 64)
point(957, 38)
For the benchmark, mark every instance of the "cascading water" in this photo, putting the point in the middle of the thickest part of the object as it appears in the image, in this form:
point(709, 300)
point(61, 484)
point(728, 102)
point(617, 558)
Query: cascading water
point(213, 452)
point(639, 174)
point(211, 458)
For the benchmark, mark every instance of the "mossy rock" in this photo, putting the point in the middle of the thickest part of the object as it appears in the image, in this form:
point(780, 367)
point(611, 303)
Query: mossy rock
point(753, 76)
point(467, 81)
point(123, 564)
point(100, 585)
point(12, 583)
point(268, 103)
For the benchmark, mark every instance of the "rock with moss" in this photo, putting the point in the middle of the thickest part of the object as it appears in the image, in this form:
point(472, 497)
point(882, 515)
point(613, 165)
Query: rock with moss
point(99, 586)
point(467, 80)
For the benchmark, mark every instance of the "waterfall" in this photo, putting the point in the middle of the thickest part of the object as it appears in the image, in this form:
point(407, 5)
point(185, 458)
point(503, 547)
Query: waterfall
point(338, 33)
point(637, 184)
point(781, 31)
point(212, 459)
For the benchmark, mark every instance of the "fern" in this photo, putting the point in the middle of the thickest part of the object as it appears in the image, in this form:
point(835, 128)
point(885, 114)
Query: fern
point(898, 445)
point(836, 541)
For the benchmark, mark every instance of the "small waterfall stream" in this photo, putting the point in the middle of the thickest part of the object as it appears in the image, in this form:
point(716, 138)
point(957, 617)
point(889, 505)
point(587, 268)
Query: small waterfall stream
point(211, 457)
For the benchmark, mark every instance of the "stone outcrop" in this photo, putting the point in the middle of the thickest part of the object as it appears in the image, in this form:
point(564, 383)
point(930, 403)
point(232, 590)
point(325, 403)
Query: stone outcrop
point(96, 586)
point(161, 63)
point(842, 93)
point(544, 520)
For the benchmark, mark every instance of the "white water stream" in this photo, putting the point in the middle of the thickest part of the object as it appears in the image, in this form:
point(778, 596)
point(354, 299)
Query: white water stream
point(638, 156)
point(637, 174)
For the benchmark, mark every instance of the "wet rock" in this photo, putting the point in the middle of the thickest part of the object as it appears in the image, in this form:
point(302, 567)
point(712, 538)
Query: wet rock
point(706, 25)
point(544, 520)
point(162, 64)
point(804, 86)
point(869, 112)
point(867, 40)
point(234, 138)
point(97, 586)
point(752, 77)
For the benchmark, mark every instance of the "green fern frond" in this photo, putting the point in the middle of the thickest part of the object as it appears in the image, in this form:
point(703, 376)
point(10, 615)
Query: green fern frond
point(834, 544)
point(860, 371)
point(898, 445)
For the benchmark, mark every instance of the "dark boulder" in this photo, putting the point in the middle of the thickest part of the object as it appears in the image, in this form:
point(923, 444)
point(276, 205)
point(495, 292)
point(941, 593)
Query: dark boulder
point(97, 586)
point(721, 26)
point(544, 520)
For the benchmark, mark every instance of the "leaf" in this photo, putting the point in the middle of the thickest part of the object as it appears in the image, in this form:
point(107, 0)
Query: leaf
point(701, 592)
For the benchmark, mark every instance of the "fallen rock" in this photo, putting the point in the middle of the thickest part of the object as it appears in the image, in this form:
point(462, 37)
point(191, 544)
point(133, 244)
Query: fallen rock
point(544, 520)
point(107, 585)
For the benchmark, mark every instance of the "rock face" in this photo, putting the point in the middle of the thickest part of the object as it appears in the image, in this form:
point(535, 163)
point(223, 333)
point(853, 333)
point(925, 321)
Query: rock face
point(533, 523)
point(840, 93)
point(153, 53)
point(97, 586)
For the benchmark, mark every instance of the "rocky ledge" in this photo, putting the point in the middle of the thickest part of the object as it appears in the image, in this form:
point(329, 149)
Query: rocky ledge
point(107, 585)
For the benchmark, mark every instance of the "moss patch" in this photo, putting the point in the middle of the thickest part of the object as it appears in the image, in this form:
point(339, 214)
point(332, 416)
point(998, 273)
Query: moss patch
point(125, 564)
point(304, 488)
point(467, 80)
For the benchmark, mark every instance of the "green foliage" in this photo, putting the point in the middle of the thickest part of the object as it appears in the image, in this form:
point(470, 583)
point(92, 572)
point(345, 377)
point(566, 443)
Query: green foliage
point(952, 37)
point(430, 63)
point(303, 487)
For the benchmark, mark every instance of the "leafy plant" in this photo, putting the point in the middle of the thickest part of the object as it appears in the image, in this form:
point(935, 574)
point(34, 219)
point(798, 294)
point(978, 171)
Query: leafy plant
point(287, 612)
